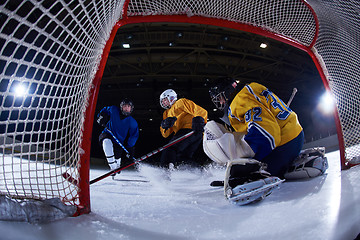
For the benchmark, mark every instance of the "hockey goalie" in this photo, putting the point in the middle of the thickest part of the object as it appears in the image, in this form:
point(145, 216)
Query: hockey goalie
point(265, 145)
point(246, 179)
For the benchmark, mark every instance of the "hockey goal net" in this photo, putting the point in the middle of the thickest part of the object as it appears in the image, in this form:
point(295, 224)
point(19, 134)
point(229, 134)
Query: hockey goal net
point(53, 54)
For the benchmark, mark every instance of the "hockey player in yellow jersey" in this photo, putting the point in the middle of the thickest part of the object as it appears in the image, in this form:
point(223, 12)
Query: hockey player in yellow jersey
point(270, 127)
point(267, 122)
point(180, 117)
point(266, 143)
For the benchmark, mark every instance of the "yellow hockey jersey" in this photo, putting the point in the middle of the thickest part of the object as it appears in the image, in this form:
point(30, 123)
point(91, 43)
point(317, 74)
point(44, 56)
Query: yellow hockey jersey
point(265, 119)
point(184, 110)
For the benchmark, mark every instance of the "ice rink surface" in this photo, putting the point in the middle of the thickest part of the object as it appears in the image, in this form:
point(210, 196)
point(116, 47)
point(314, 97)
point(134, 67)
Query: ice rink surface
point(187, 207)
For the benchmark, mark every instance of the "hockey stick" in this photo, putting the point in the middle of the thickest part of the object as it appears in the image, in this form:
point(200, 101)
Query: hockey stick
point(119, 143)
point(71, 179)
point(292, 96)
point(143, 157)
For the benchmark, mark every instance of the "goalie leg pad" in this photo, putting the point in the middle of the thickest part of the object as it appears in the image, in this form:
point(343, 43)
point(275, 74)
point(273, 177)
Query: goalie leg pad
point(253, 191)
point(246, 181)
point(244, 170)
point(310, 163)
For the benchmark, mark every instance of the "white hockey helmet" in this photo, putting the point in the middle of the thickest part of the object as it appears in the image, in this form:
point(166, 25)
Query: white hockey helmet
point(167, 98)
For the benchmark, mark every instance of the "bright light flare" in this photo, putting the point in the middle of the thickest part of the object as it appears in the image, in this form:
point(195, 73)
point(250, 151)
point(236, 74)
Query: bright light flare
point(126, 45)
point(327, 103)
point(20, 90)
point(263, 45)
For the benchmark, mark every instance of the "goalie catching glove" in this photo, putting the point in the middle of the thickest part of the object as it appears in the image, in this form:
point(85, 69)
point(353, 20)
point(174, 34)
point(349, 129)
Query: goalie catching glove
point(221, 145)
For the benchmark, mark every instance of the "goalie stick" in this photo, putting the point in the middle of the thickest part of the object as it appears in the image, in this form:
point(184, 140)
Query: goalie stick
point(68, 177)
point(292, 96)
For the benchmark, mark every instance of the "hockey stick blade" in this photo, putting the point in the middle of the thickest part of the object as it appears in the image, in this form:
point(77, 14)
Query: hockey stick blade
point(143, 157)
point(217, 183)
point(131, 180)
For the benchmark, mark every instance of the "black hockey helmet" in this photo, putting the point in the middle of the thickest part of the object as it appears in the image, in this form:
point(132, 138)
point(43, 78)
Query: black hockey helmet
point(126, 101)
point(222, 91)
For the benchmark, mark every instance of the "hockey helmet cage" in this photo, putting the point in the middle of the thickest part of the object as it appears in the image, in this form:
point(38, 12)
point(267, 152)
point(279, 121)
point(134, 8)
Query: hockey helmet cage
point(168, 98)
point(222, 91)
point(124, 102)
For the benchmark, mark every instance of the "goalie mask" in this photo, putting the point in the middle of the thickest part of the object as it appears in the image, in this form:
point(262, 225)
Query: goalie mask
point(222, 92)
point(168, 98)
point(126, 107)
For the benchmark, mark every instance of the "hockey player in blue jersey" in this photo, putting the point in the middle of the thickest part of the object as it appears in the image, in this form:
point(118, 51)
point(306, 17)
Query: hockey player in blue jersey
point(125, 129)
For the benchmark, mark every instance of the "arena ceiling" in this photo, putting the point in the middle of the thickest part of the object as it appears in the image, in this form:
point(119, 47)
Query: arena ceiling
point(188, 57)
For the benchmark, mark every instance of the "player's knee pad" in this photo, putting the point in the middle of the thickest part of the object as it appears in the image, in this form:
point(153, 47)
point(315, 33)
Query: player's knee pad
point(309, 164)
point(108, 147)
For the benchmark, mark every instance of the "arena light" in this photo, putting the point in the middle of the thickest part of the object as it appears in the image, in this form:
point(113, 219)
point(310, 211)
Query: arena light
point(20, 90)
point(263, 45)
point(326, 104)
point(126, 45)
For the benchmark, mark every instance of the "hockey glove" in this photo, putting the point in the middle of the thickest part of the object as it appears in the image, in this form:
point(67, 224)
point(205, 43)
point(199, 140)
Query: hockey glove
point(168, 122)
point(102, 119)
point(130, 154)
point(198, 124)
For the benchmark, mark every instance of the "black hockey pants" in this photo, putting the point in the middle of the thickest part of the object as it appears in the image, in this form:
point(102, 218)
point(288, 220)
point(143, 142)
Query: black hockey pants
point(181, 152)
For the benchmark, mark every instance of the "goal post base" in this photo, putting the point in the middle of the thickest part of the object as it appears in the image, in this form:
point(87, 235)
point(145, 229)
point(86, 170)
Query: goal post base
point(34, 211)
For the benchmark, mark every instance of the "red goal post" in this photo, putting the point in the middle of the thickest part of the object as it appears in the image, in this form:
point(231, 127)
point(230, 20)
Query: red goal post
point(57, 51)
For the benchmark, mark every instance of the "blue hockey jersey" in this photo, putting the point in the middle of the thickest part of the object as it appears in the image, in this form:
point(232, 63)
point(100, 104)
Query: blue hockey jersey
point(124, 128)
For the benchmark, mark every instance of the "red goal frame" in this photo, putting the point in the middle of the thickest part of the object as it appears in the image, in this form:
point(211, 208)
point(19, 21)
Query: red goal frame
point(89, 115)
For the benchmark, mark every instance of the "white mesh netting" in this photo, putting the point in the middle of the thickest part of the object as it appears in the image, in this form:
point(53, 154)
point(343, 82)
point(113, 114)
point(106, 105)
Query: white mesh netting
point(338, 45)
point(52, 50)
